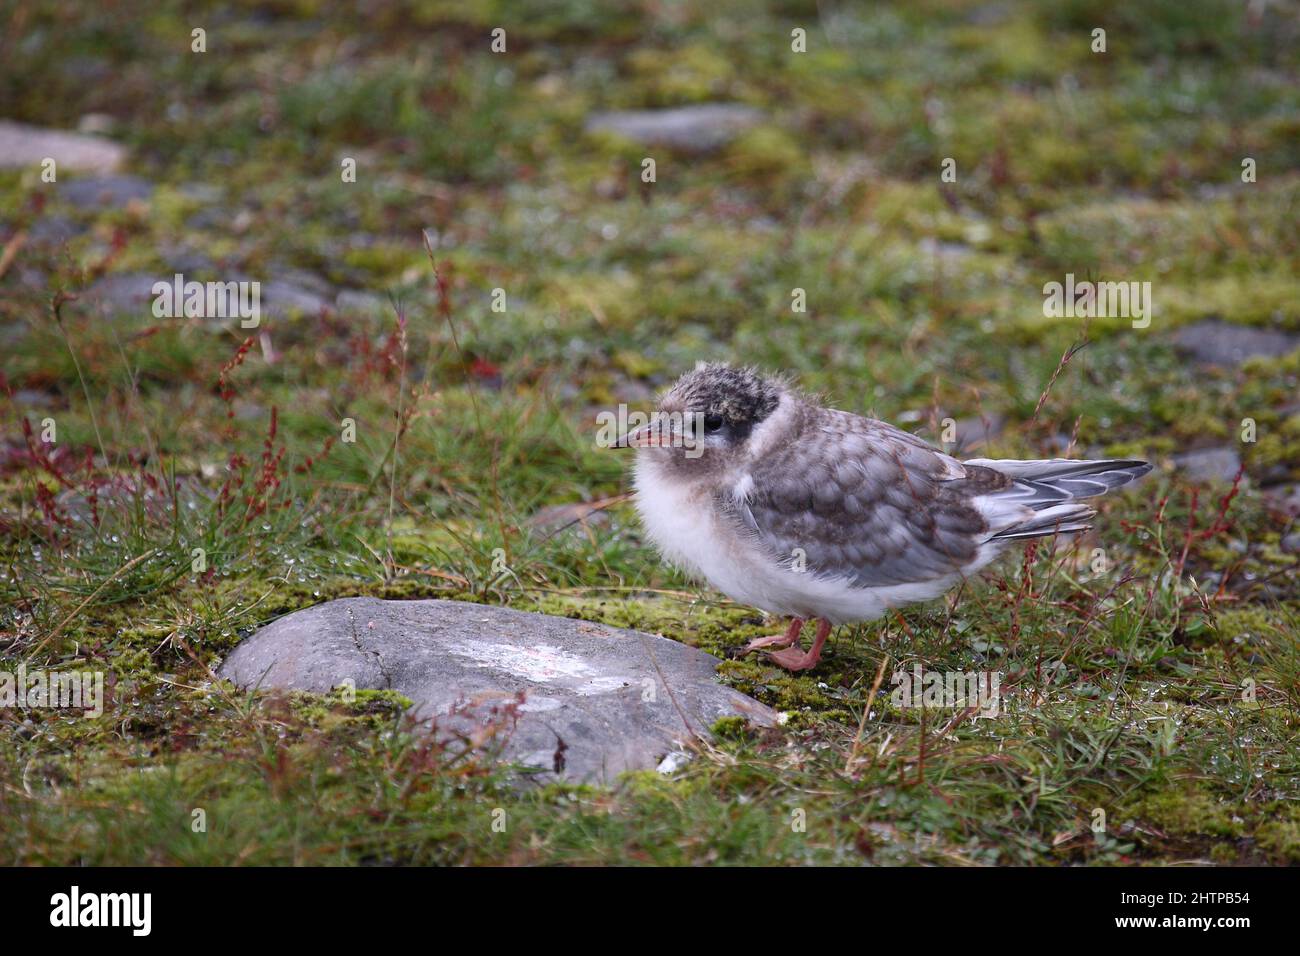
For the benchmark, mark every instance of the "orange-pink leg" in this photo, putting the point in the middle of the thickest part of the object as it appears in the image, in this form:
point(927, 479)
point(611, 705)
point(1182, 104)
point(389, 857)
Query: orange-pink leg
point(794, 659)
point(790, 637)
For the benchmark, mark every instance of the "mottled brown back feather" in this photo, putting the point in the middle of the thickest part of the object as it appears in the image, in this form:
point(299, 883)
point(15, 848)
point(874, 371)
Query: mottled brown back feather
point(864, 501)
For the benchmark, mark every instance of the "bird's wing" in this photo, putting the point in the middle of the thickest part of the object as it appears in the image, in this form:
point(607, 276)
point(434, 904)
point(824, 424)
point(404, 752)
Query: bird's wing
point(858, 499)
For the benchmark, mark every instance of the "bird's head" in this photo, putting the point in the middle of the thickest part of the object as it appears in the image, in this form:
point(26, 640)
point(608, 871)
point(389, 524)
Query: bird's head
point(705, 420)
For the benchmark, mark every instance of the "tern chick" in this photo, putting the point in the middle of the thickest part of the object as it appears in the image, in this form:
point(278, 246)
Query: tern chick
point(812, 513)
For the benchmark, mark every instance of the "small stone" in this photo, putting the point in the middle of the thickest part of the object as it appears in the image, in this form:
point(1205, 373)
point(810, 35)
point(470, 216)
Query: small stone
point(975, 432)
point(105, 192)
point(1215, 342)
point(53, 231)
point(945, 251)
point(32, 398)
point(189, 262)
point(23, 145)
point(122, 293)
point(361, 303)
point(1209, 464)
point(296, 292)
point(702, 128)
point(1284, 498)
point(96, 124)
point(204, 193)
point(246, 411)
point(573, 699)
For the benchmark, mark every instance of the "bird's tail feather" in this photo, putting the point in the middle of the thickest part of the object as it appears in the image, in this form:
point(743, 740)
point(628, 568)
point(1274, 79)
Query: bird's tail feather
point(1063, 519)
point(1048, 488)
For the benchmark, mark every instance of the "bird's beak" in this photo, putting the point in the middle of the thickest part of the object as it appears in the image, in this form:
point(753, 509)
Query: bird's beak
point(655, 433)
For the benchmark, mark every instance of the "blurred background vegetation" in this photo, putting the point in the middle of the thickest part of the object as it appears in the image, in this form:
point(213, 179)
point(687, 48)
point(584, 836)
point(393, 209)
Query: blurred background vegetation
point(474, 427)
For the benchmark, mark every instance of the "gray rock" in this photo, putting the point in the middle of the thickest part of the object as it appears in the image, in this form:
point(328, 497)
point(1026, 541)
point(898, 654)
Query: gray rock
point(946, 251)
point(12, 334)
point(296, 292)
point(105, 192)
point(302, 279)
point(1215, 342)
point(190, 262)
point(692, 129)
point(123, 293)
point(618, 700)
point(204, 193)
point(1209, 464)
point(96, 124)
point(53, 231)
point(285, 298)
point(22, 145)
point(33, 399)
point(245, 411)
point(356, 301)
point(209, 217)
point(973, 433)
point(1284, 498)
point(990, 14)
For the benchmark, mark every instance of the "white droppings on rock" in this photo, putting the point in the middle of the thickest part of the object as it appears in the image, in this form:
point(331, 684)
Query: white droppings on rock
point(536, 704)
point(673, 762)
point(541, 664)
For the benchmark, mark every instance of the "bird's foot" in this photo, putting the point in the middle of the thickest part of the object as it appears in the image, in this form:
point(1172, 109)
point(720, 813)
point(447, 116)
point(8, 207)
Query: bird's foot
point(795, 659)
point(791, 636)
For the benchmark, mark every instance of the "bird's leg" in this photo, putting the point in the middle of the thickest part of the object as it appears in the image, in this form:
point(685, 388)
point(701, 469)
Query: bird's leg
point(790, 637)
point(794, 659)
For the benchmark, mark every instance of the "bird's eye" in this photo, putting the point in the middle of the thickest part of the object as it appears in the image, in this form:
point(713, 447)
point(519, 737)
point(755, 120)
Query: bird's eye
point(712, 423)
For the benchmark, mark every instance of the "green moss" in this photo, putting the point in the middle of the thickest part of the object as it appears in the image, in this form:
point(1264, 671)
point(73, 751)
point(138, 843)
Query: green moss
point(1244, 623)
point(1187, 812)
point(1225, 854)
point(765, 153)
point(359, 708)
point(1280, 839)
point(384, 263)
point(730, 728)
point(690, 74)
